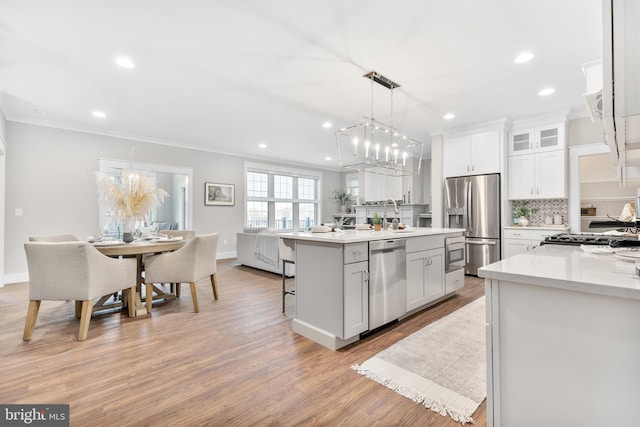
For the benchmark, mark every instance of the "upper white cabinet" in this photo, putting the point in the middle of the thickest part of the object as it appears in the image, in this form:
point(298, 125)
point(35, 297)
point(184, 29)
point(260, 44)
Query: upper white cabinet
point(538, 139)
point(538, 163)
point(475, 154)
point(538, 176)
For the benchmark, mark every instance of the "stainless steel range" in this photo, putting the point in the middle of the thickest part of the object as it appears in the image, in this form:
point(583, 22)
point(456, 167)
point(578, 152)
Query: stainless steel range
point(591, 239)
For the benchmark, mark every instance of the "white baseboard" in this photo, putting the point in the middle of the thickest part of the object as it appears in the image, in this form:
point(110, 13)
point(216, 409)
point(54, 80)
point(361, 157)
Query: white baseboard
point(15, 278)
point(227, 255)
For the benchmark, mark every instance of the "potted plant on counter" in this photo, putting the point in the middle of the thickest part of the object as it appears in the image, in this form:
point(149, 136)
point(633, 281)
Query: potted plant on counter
point(377, 221)
point(523, 214)
point(342, 197)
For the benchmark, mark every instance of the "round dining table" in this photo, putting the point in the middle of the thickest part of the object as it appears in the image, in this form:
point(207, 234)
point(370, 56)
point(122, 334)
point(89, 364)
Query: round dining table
point(137, 249)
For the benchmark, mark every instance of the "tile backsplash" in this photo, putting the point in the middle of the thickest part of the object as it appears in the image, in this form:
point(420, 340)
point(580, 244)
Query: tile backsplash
point(545, 207)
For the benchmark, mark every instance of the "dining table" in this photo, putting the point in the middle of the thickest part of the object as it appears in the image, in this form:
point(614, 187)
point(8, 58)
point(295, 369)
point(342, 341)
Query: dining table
point(138, 248)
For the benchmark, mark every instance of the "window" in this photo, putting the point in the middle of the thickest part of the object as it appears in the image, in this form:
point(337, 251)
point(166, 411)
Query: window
point(281, 199)
point(256, 184)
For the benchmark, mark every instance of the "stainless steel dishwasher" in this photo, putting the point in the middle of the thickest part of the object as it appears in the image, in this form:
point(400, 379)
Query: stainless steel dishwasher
point(387, 281)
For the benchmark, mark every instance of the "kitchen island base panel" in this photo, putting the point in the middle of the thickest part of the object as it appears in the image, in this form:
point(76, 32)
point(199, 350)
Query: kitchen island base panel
point(333, 280)
point(573, 354)
point(320, 336)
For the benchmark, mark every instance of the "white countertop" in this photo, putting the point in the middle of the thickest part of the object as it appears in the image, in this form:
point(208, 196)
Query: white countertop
point(559, 228)
point(568, 267)
point(355, 236)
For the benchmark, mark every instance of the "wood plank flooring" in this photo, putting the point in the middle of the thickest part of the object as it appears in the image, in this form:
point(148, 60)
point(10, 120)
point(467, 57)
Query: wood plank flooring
point(236, 363)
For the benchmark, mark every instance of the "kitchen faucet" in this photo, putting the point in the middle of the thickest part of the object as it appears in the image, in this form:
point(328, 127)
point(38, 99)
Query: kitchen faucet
point(385, 221)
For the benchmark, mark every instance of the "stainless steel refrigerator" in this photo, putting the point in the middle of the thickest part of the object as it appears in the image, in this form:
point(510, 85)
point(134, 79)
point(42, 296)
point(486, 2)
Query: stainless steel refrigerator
point(473, 203)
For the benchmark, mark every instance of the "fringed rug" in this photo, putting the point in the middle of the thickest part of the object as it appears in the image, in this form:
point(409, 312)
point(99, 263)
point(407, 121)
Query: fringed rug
point(441, 366)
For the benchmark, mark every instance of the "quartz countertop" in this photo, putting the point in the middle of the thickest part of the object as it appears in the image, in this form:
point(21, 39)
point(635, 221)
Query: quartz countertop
point(355, 236)
point(570, 268)
point(550, 227)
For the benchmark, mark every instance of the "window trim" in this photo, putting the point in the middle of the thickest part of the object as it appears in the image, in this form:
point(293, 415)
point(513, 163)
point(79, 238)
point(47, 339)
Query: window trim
point(286, 171)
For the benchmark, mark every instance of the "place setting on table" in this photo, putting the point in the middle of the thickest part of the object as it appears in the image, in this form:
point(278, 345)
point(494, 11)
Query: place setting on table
point(141, 236)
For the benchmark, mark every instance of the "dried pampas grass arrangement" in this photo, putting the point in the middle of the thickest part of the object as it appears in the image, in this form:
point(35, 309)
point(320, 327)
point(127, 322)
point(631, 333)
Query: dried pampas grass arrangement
point(133, 197)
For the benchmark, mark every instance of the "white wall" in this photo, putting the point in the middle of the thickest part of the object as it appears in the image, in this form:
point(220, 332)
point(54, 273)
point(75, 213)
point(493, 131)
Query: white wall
point(50, 176)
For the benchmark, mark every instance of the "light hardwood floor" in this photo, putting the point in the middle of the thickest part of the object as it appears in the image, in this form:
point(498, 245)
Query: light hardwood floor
point(236, 363)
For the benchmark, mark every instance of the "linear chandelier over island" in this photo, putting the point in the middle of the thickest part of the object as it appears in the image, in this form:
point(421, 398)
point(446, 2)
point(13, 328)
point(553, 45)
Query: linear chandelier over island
point(377, 147)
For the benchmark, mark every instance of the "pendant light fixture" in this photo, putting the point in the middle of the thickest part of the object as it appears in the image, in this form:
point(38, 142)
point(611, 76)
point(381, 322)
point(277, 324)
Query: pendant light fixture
point(377, 147)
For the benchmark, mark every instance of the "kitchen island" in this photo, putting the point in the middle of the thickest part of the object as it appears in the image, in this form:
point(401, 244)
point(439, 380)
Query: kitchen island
point(563, 339)
point(334, 302)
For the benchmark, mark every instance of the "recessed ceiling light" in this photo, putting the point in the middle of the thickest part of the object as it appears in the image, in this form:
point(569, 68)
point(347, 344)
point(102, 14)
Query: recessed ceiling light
point(449, 116)
point(524, 57)
point(326, 125)
point(263, 145)
point(546, 91)
point(327, 158)
point(125, 62)
point(99, 114)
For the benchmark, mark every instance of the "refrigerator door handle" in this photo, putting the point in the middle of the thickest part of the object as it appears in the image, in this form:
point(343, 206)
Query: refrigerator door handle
point(469, 226)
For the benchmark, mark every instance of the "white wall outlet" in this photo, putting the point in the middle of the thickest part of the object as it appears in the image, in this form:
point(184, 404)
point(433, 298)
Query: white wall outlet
point(18, 211)
point(225, 242)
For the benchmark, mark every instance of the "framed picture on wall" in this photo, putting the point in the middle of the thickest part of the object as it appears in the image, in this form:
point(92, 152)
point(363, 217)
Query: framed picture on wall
point(219, 194)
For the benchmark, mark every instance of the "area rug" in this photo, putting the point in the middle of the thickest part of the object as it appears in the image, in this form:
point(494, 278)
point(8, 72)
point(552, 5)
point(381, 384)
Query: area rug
point(442, 366)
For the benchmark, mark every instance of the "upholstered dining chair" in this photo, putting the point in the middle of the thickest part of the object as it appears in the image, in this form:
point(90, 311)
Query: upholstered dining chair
point(54, 238)
point(63, 271)
point(194, 261)
point(186, 235)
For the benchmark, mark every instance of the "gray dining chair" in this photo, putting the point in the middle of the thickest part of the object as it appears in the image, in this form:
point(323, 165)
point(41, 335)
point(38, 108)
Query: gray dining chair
point(63, 271)
point(194, 261)
point(186, 235)
point(54, 238)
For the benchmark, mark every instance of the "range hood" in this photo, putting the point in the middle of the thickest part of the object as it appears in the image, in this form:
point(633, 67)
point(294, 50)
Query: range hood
point(621, 85)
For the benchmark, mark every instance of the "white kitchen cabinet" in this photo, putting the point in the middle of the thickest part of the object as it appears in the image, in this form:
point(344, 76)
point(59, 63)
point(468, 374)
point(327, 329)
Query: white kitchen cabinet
point(382, 187)
point(425, 277)
point(335, 300)
point(519, 240)
point(519, 246)
point(538, 176)
point(454, 280)
point(332, 281)
point(537, 140)
point(356, 298)
point(474, 154)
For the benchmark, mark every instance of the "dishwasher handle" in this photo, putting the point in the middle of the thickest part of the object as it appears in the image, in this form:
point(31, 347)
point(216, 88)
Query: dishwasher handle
point(383, 251)
point(387, 245)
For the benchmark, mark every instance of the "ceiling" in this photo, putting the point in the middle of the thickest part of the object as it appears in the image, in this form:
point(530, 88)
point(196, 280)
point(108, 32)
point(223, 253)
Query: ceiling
point(228, 75)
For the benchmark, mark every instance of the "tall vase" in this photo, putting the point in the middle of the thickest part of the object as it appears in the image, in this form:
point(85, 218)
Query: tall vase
point(128, 227)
